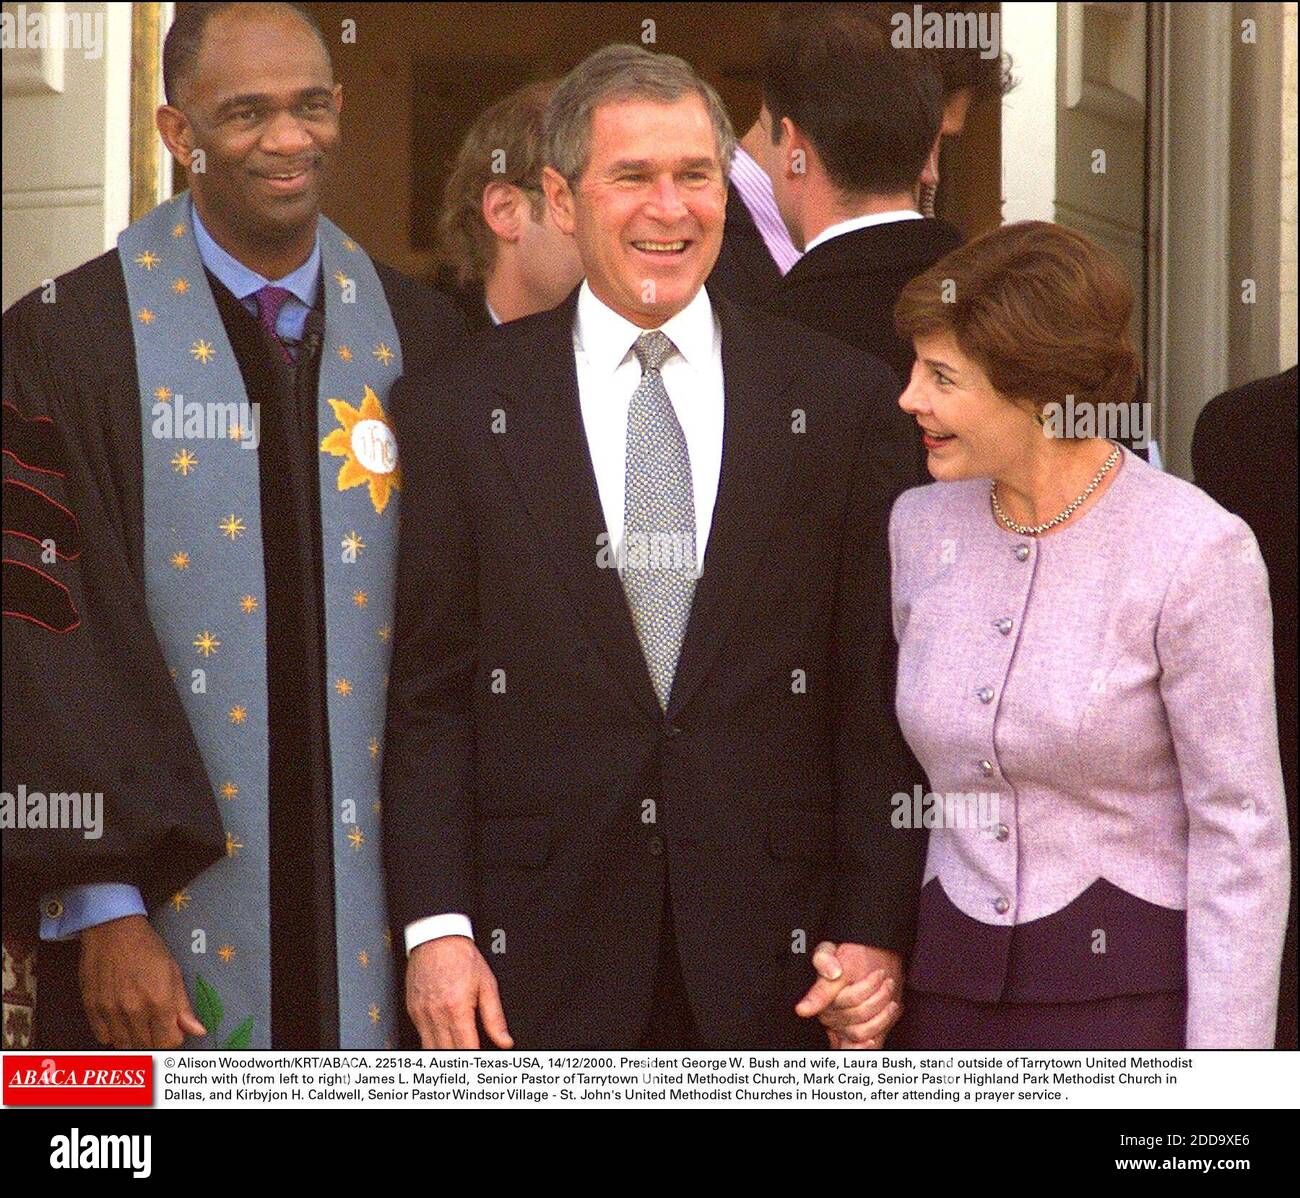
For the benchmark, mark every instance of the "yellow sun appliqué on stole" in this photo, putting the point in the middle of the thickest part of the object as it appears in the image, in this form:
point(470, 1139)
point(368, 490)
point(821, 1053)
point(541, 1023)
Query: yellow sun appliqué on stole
point(366, 440)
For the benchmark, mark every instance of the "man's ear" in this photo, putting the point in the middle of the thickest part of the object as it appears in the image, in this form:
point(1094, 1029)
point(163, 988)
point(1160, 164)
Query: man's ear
point(177, 133)
point(559, 198)
point(794, 151)
point(501, 204)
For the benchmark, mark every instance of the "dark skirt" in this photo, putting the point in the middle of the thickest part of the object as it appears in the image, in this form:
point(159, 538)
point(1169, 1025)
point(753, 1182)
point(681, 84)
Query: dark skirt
point(1127, 1021)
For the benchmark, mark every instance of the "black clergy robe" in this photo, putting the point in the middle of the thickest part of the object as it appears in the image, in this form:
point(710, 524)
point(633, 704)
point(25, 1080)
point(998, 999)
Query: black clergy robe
point(89, 704)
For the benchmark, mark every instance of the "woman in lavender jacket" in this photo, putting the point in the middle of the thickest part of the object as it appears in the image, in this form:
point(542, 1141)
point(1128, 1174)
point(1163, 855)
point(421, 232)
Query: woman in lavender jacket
point(1086, 674)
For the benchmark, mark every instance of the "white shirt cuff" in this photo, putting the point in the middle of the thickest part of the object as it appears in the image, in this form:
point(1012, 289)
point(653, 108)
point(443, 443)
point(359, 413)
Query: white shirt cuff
point(434, 927)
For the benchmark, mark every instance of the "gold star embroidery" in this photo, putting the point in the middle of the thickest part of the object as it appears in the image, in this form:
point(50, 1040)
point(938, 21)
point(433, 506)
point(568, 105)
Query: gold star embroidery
point(385, 632)
point(353, 544)
point(232, 526)
point(229, 790)
point(235, 432)
point(206, 643)
point(238, 714)
point(356, 838)
point(180, 900)
point(181, 286)
point(345, 354)
point(374, 1013)
point(360, 598)
point(148, 260)
point(146, 317)
point(232, 845)
point(162, 394)
point(375, 806)
point(226, 952)
point(249, 604)
point(388, 939)
point(179, 229)
point(383, 353)
point(343, 686)
point(373, 746)
point(349, 244)
point(184, 462)
point(181, 561)
point(201, 351)
point(364, 958)
point(341, 279)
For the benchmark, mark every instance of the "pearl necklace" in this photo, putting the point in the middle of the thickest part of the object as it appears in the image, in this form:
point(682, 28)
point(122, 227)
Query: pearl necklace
point(1034, 530)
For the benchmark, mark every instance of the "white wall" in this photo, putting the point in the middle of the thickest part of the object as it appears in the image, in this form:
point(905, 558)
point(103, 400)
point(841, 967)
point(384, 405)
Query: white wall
point(66, 140)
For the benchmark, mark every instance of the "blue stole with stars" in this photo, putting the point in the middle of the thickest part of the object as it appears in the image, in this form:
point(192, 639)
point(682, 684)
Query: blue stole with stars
point(204, 586)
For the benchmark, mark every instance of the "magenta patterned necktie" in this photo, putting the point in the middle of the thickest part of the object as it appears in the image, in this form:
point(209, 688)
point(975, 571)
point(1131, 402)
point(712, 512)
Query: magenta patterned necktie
point(269, 302)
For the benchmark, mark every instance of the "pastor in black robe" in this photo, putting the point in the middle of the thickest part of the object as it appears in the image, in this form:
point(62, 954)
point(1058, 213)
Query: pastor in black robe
point(89, 704)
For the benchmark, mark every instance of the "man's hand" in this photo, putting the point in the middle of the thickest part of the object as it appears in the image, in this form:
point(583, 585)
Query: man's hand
point(132, 988)
point(856, 994)
point(447, 982)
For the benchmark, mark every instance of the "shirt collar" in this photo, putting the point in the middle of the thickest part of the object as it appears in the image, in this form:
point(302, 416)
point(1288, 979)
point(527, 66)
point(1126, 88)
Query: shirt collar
point(242, 281)
point(854, 223)
point(607, 338)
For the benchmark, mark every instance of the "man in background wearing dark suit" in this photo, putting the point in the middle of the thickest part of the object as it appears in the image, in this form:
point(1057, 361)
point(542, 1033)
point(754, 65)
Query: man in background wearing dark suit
point(641, 746)
point(503, 257)
point(856, 121)
point(1244, 455)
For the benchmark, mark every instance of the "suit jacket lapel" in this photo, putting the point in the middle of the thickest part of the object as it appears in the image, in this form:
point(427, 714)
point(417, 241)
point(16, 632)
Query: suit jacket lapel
point(545, 450)
point(759, 448)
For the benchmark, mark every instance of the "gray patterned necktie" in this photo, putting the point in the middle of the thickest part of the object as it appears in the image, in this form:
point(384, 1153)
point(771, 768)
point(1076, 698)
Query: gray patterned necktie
point(659, 568)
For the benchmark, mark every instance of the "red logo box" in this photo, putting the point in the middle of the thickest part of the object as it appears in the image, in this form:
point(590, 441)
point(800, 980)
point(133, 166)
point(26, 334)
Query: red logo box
point(78, 1080)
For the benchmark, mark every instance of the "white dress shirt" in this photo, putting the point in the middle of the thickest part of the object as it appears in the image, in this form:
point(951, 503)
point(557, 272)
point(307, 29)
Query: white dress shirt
point(608, 374)
point(854, 223)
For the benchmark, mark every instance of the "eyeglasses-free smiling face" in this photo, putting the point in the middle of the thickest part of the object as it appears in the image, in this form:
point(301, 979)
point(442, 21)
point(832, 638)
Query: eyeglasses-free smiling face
point(648, 211)
point(968, 429)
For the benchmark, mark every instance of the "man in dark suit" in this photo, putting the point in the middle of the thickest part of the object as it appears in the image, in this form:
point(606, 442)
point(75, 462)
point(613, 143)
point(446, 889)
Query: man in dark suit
point(1244, 455)
point(626, 795)
point(856, 121)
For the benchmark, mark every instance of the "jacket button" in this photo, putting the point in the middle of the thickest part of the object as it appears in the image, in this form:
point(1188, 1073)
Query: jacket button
point(1022, 552)
point(1001, 906)
point(1002, 832)
point(986, 768)
point(984, 694)
point(1003, 625)
point(53, 909)
point(672, 731)
point(656, 846)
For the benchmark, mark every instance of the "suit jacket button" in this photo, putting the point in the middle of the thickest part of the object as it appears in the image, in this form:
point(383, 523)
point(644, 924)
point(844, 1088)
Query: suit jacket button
point(1001, 906)
point(53, 909)
point(1003, 625)
point(672, 731)
point(1002, 832)
point(984, 694)
point(656, 846)
point(986, 768)
point(1022, 552)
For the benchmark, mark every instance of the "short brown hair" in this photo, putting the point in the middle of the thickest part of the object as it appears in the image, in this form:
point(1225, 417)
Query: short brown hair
point(504, 145)
point(1041, 308)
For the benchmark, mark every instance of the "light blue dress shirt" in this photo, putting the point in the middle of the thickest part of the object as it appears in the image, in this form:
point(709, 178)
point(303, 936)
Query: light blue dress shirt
point(65, 913)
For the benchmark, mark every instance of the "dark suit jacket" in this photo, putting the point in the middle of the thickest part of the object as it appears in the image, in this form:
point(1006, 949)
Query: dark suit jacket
point(531, 779)
point(848, 286)
point(744, 271)
point(1244, 455)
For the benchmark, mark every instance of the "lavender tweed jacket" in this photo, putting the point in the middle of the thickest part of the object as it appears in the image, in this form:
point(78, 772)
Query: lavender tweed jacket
point(1108, 690)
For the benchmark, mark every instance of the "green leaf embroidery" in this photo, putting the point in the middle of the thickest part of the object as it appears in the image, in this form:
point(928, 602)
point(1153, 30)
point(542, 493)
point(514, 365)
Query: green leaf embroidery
point(207, 1005)
point(242, 1036)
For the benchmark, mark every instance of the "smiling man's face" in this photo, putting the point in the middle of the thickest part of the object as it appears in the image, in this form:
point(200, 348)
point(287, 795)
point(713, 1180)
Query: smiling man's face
point(263, 107)
point(648, 211)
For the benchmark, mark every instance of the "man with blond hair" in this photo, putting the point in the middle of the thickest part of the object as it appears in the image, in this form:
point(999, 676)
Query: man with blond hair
point(503, 251)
